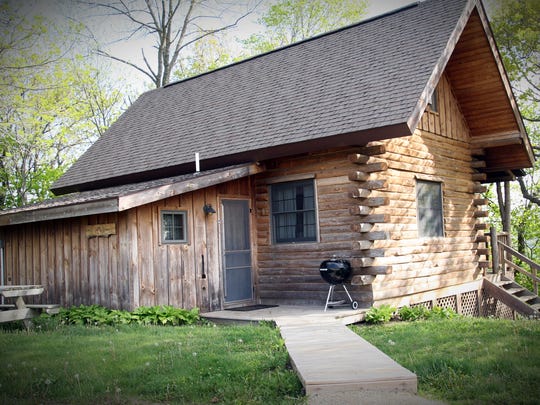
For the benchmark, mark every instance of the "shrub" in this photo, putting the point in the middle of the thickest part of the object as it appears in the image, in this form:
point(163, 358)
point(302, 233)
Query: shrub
point(165, 315)
point(441, 313)
point(379, 315)
point(413, 313)
point(420, 312)
point(156, 315)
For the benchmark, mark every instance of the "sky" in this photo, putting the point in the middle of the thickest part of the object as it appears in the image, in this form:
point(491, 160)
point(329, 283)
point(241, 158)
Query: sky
point(112, 31)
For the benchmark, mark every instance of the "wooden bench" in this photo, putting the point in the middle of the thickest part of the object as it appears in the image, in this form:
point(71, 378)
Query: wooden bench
point(20, 311)
point(50, 309)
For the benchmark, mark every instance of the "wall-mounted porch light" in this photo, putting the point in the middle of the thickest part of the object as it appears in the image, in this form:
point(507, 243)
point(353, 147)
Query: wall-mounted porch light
point(208, 209)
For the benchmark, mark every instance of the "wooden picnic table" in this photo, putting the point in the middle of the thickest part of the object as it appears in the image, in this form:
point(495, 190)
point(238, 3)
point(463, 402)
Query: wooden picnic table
point(21, 311)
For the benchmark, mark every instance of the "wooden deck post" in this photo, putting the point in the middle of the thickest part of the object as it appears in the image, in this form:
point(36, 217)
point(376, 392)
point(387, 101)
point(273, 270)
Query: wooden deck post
point(494, 250)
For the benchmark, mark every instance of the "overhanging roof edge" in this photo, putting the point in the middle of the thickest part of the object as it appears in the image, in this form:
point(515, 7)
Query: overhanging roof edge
point(81, 209)
point(505, 80)
point(138, 198)
point(126, 199)
point(440, 66)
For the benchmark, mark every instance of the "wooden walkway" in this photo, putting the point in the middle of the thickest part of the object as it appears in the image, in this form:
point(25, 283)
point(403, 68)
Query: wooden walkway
point(328, 356)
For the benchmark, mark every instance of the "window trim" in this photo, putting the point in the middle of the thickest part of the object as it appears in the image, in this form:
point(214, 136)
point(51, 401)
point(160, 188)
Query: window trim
point(293, 179)
point(422, 179)
point(184, 215)
point(433, 101)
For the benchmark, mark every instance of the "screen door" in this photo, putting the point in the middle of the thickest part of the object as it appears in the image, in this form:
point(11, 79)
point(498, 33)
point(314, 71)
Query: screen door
point(236, 251)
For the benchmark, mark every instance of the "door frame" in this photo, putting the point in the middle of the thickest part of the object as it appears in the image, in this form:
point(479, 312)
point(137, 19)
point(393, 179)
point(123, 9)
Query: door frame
point(221, 224)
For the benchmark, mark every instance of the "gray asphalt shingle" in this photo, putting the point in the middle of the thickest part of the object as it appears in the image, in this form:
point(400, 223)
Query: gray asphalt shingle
point(369, 75)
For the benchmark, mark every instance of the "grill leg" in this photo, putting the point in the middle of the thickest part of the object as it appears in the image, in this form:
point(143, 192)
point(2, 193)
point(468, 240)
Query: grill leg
point(330, 295)
point(347, 291)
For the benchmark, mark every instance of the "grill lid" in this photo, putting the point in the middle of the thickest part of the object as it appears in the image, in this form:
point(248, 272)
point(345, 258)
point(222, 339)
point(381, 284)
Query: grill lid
point(335, 271)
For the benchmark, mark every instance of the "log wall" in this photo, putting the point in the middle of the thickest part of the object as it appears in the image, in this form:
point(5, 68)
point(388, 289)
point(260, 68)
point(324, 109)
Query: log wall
point(130, 267)
point(366, 200)
point(439, 150)
point(289, 273)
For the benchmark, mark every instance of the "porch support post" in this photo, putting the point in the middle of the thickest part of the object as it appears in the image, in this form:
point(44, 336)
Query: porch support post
point(494, 250)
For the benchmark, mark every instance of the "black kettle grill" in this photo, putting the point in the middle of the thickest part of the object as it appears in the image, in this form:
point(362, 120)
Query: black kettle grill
point(336, 272)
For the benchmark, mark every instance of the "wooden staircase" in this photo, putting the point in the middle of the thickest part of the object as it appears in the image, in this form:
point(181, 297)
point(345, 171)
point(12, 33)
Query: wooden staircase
point(506, 262)
point(512, 294)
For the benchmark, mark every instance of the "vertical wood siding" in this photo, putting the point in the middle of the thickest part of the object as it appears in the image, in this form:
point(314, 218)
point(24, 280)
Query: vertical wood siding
point(129, 269)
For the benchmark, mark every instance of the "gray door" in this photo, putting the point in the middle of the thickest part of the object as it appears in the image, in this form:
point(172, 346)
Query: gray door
point(236, 251)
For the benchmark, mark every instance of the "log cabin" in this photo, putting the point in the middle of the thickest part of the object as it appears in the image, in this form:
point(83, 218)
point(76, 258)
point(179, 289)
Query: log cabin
point(372, 143)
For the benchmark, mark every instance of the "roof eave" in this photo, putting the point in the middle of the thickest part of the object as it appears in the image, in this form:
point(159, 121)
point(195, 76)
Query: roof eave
point(107, 205)
point(438, 70)
point(126, 200)
point(506, 82)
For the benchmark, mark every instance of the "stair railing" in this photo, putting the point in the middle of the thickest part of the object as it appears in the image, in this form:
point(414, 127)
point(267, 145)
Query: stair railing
point(502, 254)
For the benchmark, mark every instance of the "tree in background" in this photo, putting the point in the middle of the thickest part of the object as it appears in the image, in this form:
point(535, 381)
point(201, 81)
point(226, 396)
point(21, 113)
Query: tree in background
point(174, 25)
point(205, 55)
point(290, 21)
point(284, 22)
point(516, 29)
point(52, 106)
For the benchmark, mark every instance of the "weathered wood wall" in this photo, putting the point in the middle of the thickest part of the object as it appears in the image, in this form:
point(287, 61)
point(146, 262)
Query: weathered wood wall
point(289, 273)
point(130, 267)
point(367, 213)
point(366, 200)
point(439, 150)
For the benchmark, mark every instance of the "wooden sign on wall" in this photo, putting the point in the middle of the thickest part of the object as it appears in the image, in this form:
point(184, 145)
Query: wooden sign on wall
point(104, 230)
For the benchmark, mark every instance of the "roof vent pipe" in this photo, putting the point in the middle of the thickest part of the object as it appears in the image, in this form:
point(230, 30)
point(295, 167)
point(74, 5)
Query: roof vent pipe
point(197, 162)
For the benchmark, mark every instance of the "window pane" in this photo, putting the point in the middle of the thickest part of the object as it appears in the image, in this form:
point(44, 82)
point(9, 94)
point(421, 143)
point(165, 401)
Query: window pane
point(293, 212)
point(430, 210)
point(173, 226)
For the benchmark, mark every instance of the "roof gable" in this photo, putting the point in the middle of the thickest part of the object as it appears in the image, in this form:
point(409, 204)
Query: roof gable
point(484, 93)
point(352, 81)
point(364, 82)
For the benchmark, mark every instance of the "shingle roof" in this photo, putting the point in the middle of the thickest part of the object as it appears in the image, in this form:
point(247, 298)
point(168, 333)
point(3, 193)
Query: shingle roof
point(364, 77)
point(121, 198)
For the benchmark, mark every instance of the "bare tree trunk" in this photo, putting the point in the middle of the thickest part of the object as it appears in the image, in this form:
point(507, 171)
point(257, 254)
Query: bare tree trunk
point(174, 24)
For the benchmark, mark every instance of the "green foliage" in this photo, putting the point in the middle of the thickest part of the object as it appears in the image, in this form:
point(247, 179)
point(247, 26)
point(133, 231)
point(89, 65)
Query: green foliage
point(517, 31)
point(158, 315)
point(290, 21)
point(165, 315)
point(385, 313)
point(380, 314)
point(466, 360)
point(128, 364)
point(206, 54)
point(523, 280)
point(53, 105)
point(441, 313)
point(413, 313)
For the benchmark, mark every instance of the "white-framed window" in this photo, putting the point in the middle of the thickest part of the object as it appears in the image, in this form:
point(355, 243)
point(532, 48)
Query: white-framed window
point(293, 209)
point(433, 102)
point(429, 203)
point(174, 227)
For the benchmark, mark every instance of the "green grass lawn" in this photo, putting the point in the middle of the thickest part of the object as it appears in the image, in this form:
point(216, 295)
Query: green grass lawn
point(145, 364)
point(462, 361)
point(466, 360)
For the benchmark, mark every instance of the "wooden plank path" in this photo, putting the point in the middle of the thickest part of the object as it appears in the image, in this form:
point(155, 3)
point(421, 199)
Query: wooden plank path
point(328, 357)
